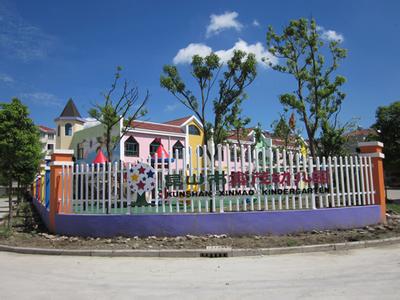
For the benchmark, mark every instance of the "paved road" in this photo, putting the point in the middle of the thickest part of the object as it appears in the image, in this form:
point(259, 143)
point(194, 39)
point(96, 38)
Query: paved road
point(372, 273)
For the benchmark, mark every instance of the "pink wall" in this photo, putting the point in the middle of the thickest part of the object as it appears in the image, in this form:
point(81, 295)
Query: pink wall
point(144, 140)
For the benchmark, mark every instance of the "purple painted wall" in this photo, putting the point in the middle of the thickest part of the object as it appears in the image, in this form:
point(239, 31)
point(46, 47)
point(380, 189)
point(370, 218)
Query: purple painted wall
point(234, 224)
point(42, 211)
point(231, 223)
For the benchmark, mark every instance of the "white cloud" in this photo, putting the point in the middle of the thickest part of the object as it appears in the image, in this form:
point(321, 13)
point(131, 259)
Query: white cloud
point(185, 55)
point(223, 22)
point(41, 98)
point(20, 39)
point(330, 35)
point(6, 78)
point(171, 107)
point(257, 49)
point(256, 23)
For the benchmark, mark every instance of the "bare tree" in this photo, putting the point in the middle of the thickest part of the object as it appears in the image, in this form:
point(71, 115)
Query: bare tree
point(124, 105)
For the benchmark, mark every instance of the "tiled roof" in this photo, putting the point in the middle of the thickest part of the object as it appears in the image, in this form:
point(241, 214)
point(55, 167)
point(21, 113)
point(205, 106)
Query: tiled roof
point(280, 142)
point(70, 110)
point(245, 136)
point(362, 132)
point(156, 126)
point(178, 122)
point(241, 137)
point(46, 129)
point(267, 134)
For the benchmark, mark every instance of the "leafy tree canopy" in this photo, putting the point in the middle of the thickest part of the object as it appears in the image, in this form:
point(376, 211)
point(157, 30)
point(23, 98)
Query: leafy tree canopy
point(225, 91)
point(317, 96)
point(20, 147)
point(388, 126)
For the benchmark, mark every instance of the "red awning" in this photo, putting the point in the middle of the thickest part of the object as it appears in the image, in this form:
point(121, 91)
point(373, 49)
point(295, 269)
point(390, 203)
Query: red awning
point(100, 158)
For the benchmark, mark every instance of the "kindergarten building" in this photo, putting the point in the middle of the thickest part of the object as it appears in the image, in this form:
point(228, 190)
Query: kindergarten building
point(142, 140)
point(86, 137)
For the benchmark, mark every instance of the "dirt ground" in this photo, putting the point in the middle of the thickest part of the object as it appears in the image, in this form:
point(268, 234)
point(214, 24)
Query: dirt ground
point(29, 232)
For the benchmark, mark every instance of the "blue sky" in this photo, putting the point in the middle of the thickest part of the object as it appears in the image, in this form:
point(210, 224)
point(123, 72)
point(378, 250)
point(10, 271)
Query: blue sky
point(53, 50)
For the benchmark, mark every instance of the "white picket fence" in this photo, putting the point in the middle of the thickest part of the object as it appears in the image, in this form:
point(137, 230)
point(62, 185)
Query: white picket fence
point(103, 188)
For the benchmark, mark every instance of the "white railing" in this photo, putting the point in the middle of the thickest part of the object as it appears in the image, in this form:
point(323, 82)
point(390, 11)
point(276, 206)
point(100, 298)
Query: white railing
point(263, 180)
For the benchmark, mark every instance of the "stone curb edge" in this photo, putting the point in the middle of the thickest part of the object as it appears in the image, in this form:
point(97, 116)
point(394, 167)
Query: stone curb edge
point(227, 252)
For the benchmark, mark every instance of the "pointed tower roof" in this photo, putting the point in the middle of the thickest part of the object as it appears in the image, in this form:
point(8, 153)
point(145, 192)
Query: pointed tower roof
point(100, 158)
point(70, 112)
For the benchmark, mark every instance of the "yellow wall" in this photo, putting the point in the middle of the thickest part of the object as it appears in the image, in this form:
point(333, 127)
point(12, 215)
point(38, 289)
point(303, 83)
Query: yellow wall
point(194, 141)
point(63, 141)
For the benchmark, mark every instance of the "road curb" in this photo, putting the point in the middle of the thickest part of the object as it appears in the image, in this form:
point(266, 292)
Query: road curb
point(227, 252)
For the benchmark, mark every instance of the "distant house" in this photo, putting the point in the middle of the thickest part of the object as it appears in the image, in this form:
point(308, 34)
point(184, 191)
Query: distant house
point(247, 140)
point(356, 136)
point(247, 137)
point(47, 138)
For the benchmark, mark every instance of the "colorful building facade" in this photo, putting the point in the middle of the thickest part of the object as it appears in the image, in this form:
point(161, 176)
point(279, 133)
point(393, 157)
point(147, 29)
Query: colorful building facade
point(141, 141)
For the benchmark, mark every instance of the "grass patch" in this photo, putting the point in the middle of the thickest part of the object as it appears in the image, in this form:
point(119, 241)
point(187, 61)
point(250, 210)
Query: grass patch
point(393, 207)
point(291, 242)
point(5, 232)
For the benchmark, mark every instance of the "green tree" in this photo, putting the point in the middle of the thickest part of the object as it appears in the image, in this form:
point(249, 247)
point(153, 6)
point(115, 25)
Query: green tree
point(20, 147)
point(300, 51)
point(387, 125)
point(282, 130)
point(332, 140)
point(239, 73)
point(259, 134)
point(124, 106)
point(287, 131)
point(237, 123)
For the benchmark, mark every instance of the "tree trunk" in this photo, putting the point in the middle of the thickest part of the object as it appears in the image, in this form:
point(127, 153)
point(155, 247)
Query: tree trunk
point(311, 142)
point(10, 207)
point(108, 146)
point(238, 138)
point(310, 134)
point(205, 142)
point(19, 191)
